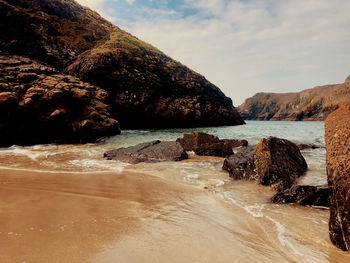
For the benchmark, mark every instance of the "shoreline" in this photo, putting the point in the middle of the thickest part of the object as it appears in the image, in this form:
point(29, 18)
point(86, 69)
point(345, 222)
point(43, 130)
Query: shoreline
point(139, 217)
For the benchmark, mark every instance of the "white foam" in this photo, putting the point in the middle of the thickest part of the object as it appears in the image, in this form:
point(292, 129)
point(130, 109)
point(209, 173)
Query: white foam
point(281, 233)
point(255, 210)
point(28, 152)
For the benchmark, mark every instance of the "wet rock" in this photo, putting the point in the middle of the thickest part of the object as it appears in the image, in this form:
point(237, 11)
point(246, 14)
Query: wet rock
point(241, 165)
point(338, 174)
point(39, 105)
point(304, 195)
point(234, 143)
point(278, 162)
point(205, 144)
point(155, 151)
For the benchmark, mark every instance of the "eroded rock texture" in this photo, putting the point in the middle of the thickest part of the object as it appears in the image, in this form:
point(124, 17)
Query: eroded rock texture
point(338, 173)
point(40, 105)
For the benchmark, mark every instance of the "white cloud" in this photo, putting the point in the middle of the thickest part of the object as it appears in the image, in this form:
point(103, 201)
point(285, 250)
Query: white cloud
point(250, 46)
point(130, 1)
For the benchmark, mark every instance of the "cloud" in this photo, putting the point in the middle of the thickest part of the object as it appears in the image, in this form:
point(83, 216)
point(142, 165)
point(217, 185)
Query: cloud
point(130, 1)
point(251, 46)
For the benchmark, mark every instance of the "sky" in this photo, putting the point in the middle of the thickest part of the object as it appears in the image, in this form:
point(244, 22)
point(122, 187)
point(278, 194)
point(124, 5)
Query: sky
point(244, 46)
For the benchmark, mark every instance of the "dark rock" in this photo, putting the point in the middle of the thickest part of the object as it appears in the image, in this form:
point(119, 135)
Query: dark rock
point(303, 146)
point(39, 105)
point(155, 151)
point(338, 175)
point(205, 144)
point(147, 89)
point(304, 195)
point(279, 163)
point(241, 165)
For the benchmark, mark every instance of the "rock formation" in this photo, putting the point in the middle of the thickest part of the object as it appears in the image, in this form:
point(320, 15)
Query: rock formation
point(145, 87)
point(312, 104)
point(209, 145)
point(155, 151)
point(278, 163)
point(338, 174)
point(275, 162)
point(40, 105)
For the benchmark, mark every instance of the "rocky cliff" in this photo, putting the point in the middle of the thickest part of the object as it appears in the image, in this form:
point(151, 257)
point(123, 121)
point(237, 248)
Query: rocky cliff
point(311, 104)
point(40, 105)
point(145, 87)
point(338, 174)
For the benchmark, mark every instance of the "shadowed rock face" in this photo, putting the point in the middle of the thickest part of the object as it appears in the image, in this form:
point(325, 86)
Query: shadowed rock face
point(312, 104)
point(147, 89)
point(155, 151)
point(241, 165)
point(304, 195)
point(278, 162)
point(338, 174)
point(40, 105)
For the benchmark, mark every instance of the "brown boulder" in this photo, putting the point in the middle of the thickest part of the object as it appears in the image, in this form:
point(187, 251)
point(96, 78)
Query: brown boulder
point(278, 162)
point(205, 144)
point(338, 175)
point(155, 151)
point(39, 105)
point(304, 195)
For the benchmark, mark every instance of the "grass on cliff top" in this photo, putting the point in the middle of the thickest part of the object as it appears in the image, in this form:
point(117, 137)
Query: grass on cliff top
point(128, 43)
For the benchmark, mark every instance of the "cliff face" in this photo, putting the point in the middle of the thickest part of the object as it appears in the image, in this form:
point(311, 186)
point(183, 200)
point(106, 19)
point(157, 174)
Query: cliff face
point(338, 175)
point(40, 105)
point(311, 104)
point(146, 88)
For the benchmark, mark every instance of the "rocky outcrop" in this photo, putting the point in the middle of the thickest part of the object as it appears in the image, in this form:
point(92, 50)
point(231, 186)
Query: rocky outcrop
point(155, 151)
point(275, 162)
point(312, 104)
point(338, 174)
point(278, 162)
point(209, 145)
point(304, 195)
point(40, 105)
point(147, 89)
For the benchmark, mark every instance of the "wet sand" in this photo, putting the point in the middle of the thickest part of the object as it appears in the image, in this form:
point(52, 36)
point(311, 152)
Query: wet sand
point(135, 217)
point(72, 217)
